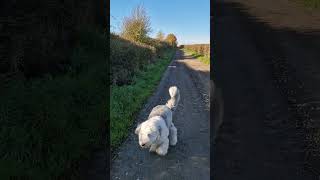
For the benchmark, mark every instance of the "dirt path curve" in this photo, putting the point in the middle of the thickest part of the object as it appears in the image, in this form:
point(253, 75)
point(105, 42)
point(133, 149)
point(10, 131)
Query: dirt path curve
point(190, 158)
point(256, 68)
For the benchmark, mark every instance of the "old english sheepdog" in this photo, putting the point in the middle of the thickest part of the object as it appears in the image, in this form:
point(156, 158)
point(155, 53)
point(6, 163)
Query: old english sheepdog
point(158, 131)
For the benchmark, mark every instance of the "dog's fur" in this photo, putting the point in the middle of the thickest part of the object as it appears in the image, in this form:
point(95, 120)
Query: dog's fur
point(159, 131)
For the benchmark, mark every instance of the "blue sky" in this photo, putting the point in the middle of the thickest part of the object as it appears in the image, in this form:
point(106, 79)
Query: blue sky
point(189, 20)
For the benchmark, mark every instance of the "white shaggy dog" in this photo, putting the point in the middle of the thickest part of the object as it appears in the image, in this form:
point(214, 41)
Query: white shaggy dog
point(158, 131)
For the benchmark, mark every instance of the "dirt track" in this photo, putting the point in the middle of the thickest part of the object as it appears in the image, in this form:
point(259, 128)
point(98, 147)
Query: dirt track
point(267, 65)
point(190, 158)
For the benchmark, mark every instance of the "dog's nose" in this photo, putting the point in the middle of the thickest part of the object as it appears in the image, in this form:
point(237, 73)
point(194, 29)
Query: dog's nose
point(143, 145)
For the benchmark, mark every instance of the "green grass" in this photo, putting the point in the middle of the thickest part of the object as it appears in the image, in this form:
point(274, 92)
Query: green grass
point(310, 4)
point(127, 100)
point(315, 4)
point(202, 58)
point(49, 124)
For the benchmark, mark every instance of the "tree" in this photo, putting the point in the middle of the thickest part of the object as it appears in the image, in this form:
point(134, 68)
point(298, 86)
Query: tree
point(137, 26)
point(160, 36)
point(171, 39)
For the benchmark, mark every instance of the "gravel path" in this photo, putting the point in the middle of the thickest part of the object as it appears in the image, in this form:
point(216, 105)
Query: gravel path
point(190, 158)
point(264, 49)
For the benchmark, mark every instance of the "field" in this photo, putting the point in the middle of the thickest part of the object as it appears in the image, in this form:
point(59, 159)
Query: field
point(202, 49)
point(199, 51)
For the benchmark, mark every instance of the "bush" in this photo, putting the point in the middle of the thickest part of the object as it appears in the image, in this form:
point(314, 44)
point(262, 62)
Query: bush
point(171, 39)
point(128, 57)
point(40, 38)
point(48, 125)
point(137, 26)
point(160, 46)
point(160, 36)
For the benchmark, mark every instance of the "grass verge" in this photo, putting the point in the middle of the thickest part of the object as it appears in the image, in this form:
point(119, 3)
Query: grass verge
point(310, 4)
point(314, 4)
point(127, 100)
point(48, 125)
point(202, 58)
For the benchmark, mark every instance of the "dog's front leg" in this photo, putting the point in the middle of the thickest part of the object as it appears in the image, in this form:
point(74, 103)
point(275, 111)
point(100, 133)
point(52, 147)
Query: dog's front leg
point(153, 148)
point(173, 135)
point(163, 148)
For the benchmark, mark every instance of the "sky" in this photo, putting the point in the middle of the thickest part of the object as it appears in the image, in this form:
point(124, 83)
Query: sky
point(189, 20)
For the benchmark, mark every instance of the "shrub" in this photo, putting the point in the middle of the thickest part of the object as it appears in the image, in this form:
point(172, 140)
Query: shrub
point(160, 46)
point(48, 125)
point(128, 57)
point(160, 36)
point(172, 40)
point(40, 38)
point(137, 26)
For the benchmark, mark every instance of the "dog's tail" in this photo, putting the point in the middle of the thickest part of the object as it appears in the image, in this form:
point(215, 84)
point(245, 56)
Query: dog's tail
point(175, 98)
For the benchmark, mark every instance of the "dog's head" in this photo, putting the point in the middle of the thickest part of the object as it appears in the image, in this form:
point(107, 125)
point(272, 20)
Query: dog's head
point(148, 133)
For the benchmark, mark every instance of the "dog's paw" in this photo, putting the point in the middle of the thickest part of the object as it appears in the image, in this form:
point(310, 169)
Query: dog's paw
point(161, 151)
point(173, 142)
point(153, 148)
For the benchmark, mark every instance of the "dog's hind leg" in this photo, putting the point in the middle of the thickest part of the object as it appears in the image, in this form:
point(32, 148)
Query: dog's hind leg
point(163, 148)
point(173, 135)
